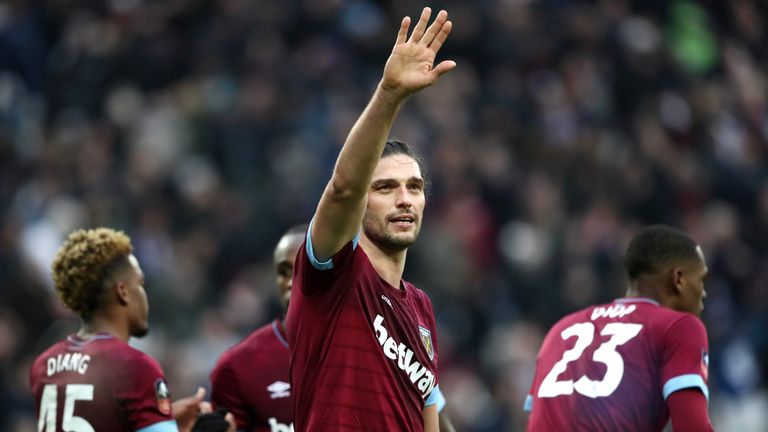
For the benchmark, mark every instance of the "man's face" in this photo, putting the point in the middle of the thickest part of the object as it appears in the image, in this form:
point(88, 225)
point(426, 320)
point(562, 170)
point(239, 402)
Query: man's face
point(692, 293)
point(138, 306)
point(395, 203)
point(285, 253)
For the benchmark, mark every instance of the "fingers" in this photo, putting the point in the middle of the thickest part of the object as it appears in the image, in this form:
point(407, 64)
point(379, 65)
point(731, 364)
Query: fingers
point(402, 34)
point(231, 420)
point(200, 394)
point(421, 26)
point(205, 407)
point(444, 67)
point(437, 42)
point(435, 28)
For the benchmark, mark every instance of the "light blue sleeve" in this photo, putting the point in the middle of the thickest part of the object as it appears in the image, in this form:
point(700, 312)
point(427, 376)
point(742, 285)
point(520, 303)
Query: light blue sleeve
point(528, 404)
point(163, 426)
point(328, 264)
point(683, 382)
point(436, 398)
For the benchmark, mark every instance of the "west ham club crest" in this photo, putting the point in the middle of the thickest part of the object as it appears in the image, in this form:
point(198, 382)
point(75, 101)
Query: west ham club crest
point(426, 340)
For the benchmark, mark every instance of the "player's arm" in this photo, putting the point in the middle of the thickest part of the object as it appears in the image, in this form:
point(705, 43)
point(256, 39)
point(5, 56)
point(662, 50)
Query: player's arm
point(437, 400)
point(431, 422)
point(445, 422)
point(409, 69)
point(186, 410)
point(688, 411)
point(684, 373)
point(139, 387)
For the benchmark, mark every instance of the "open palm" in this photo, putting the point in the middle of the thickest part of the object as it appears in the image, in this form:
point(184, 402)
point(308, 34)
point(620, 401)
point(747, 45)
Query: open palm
point(411, 65)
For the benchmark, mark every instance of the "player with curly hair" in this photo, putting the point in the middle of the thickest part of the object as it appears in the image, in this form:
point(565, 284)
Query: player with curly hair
point(94, 380)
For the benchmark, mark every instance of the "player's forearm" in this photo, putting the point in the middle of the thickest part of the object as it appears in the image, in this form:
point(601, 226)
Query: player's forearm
point(431, 422)
point(342, 205)
point(365, 142)
point(445, 422)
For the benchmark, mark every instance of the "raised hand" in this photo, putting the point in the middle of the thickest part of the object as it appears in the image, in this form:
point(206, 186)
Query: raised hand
point(411, 67)
point(186, 410)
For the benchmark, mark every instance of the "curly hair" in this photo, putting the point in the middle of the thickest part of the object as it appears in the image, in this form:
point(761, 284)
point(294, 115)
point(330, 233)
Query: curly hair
point(83, 263)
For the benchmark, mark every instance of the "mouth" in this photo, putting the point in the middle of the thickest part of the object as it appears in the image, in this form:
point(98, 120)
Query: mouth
point(403, 220)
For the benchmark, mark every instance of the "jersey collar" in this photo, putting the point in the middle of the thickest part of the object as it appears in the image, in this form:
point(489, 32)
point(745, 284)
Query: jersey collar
point(81, 341)
point(277, 328)
point(637, 300)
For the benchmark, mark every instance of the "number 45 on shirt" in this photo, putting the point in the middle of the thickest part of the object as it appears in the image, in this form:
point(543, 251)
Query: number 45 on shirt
point(620, 334)
point(71, 423)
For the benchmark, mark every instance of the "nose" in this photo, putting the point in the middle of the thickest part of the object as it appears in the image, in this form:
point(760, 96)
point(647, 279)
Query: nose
point(403, 199)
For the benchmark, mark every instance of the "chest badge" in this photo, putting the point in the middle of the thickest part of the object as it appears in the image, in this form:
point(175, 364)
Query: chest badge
point(426, 340)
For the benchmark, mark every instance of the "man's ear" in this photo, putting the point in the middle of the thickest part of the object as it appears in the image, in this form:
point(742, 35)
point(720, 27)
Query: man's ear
point(121, 292)
point(678, 277)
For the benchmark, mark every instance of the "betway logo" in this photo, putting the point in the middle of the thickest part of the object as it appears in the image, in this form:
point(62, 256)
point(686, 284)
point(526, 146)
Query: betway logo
point(274, 426)
point(418, 374)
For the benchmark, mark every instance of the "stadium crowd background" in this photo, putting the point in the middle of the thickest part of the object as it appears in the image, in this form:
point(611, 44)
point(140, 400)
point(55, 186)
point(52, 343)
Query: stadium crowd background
point(204, 129)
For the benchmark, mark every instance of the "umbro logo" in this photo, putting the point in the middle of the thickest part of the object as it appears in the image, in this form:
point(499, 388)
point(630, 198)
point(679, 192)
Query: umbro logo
point(279, 389)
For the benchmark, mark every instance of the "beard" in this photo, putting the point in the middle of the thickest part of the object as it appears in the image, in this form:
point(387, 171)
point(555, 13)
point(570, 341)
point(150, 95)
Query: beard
point(285, 304)
point(140, 332)
point(378, 234)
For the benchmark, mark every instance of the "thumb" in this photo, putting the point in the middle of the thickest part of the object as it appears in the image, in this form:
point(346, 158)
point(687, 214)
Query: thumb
point(231, 420)
point(444, 67)
point(200, 395)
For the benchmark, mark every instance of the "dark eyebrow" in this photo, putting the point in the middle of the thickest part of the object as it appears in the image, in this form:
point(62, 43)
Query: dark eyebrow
point(387, 181)
point(383, 182)
point(417, 180)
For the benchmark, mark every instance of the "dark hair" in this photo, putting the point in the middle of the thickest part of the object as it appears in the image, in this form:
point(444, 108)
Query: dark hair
point(656, 245)
point(395, 147)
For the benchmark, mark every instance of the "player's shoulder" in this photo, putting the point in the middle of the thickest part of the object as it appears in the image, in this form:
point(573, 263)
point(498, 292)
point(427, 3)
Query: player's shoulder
point(132, 359)
point(41, 360)
point(125, 360)
point(595, 312)
point(682, 325)
point(574, 317)
point(666, 318)
point(51, 350)
point(259, 340)
point(418, 294)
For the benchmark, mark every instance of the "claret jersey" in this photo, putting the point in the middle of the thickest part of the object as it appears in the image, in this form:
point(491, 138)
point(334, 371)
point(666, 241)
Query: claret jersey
point(363, 353)
point(99, 384)
point(252, 381)
point(611, 367)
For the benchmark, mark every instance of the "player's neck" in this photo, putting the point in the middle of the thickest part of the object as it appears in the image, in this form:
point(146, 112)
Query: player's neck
point(644, 288)
point(100, 324)
point(389, 265)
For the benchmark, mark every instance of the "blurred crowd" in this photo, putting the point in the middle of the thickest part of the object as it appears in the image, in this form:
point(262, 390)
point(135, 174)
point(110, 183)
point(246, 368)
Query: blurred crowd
point(205, 128)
